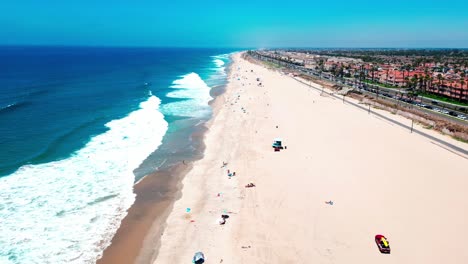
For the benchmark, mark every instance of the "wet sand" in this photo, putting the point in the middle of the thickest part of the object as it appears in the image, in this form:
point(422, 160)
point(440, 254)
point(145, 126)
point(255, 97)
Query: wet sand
point(155, 196)
point(137, 239)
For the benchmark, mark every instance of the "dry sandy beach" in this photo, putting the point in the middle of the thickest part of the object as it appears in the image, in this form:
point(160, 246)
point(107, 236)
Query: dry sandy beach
point(381, 178)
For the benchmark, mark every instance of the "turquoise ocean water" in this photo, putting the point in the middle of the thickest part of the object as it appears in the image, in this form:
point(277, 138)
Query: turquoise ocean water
point(78, 127)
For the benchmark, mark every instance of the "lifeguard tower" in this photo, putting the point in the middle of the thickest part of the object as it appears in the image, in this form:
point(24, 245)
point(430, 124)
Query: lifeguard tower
point(277, 144)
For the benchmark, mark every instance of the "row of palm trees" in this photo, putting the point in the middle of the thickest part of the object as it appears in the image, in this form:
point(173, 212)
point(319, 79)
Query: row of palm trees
point(424, 82)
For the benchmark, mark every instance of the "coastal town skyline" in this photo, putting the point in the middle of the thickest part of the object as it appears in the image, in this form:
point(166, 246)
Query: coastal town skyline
point(259, 24)
point(439, 72)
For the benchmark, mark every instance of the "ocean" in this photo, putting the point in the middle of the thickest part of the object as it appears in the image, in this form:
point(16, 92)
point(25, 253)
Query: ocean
point(79, 126)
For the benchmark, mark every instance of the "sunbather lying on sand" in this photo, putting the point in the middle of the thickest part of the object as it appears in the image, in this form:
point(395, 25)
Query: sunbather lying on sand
point(250, 185)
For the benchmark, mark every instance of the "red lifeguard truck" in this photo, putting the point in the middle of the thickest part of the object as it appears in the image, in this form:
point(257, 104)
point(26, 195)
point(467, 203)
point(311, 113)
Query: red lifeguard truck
point(382, 244)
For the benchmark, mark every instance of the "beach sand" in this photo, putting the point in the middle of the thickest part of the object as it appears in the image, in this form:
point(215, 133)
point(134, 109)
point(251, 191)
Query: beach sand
point(381, 178)
point(145, 219)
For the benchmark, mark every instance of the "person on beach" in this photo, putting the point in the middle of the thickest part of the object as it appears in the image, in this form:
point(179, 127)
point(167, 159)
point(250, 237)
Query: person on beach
point(221, 221)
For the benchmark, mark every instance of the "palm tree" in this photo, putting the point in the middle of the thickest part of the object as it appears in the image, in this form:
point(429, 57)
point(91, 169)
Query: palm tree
point(439, 77)
point(402, 69)
point(427, 79)
point(442, 86)
point(373, 68)
point(320, 67)
point(408, 68)
point(421, 82)
point(462, 82)
point(414, 81)
point(462, 75)
point(361, 77)
point(450, 86)
point(386, 76)
point(407, 81)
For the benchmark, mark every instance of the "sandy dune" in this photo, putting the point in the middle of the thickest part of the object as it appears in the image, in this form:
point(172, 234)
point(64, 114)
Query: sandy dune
point(380, 177)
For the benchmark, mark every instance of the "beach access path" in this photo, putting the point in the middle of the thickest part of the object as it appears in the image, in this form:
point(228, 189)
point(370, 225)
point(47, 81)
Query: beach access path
point(381, 178)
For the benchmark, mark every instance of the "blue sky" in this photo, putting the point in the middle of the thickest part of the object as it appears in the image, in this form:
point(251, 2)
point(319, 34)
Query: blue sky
point(241, 23)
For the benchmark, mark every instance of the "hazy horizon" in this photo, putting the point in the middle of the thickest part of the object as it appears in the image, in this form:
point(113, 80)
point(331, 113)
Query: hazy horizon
point(227, 48)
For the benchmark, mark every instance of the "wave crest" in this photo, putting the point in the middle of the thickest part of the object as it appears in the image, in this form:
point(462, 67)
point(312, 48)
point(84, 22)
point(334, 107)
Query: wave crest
point(13, 106)
point(69, 210)
point(196, 93)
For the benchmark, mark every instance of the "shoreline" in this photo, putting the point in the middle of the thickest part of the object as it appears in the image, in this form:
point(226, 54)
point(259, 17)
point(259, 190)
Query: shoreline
point(155, 194)
point(370, 168)
point(174, 234)
point(138, 238)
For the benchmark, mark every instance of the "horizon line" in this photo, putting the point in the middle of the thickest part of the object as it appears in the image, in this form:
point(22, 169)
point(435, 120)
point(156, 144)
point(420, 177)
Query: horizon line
point(227, 47)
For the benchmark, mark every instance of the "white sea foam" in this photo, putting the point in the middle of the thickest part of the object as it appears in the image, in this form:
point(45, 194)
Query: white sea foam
point(68, 211)
point(196, 95)
point(7, 106)
point(223, 56)
point(219, 62)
